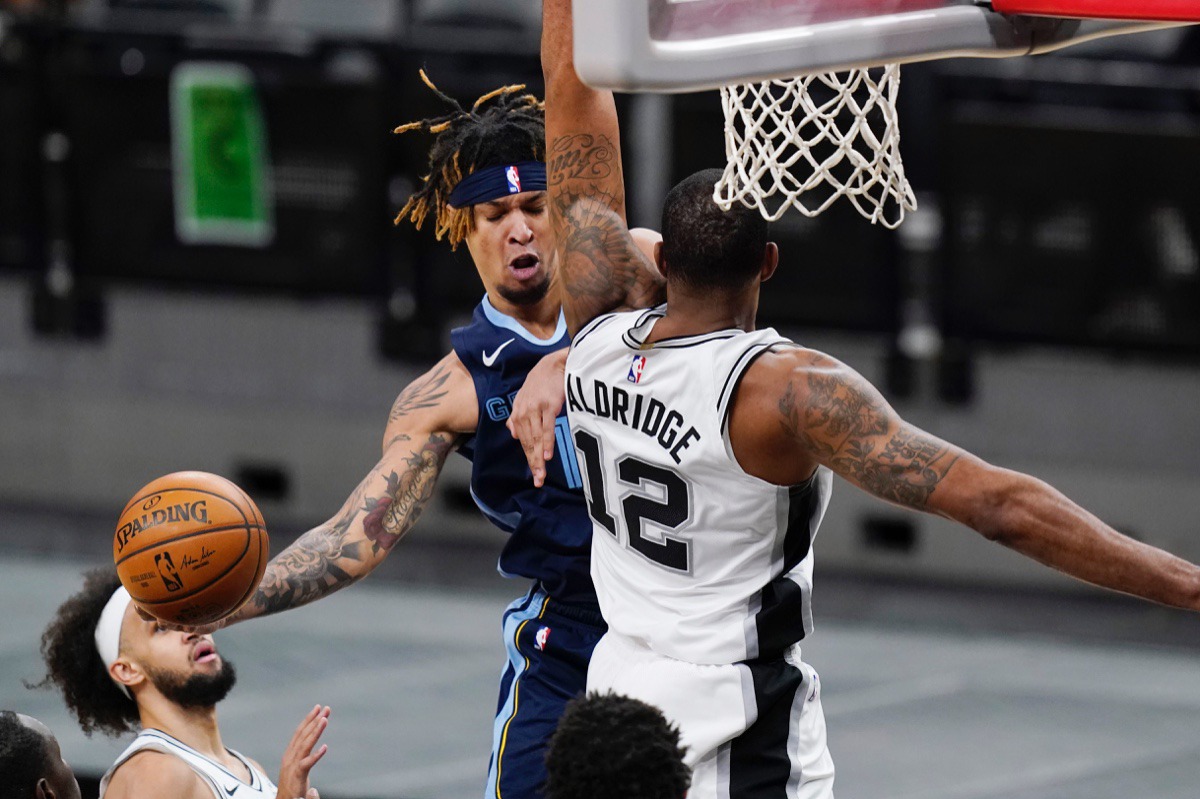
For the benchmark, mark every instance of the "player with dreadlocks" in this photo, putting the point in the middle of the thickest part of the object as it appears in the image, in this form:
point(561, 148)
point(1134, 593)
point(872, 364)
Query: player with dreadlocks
point(486, 186)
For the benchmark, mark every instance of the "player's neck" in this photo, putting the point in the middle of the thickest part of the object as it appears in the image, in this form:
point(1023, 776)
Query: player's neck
point(691, 313)
point(539, 318)
point(196, 727)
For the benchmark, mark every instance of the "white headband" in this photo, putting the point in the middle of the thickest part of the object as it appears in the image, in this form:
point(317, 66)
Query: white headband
point(108, 631)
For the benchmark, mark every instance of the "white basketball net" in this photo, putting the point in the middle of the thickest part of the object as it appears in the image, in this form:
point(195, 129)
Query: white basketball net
point(805, 142)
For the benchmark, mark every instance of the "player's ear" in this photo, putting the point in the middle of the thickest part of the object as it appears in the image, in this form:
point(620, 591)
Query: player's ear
point(126, 672)
point(658, 258)
point(43, 790)
point(769, 263)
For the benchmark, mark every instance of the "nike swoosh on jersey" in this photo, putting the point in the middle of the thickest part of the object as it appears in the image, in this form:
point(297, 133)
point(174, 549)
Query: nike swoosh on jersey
point(489, 359)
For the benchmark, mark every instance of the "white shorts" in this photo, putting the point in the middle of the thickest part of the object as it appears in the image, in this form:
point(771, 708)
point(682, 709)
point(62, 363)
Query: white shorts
point(753, 730)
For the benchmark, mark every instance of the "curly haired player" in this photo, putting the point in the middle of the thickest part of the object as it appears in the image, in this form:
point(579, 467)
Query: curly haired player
point(122, 674)
point(486, 187)
point(609, 746)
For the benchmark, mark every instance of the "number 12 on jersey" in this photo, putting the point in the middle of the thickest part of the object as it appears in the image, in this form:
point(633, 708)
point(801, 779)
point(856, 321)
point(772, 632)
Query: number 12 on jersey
point(657, 496)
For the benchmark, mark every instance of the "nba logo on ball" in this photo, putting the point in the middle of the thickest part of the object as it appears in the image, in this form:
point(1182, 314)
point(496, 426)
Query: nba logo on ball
point(636, 368)
point(543, 635)
point(514, 180)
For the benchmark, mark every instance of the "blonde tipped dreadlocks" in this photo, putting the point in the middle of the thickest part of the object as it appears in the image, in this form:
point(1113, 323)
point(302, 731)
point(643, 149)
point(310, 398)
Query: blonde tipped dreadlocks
point(503, 125)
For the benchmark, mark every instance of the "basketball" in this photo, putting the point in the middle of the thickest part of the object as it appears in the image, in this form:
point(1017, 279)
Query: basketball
point(190, 547)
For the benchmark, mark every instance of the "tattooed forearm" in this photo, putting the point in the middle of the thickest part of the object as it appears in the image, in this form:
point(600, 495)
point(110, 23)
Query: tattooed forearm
point(585, 158)
point(313, 566)
point(345, 549)
point(600, 263)
point(394, 514)
point(907, 470)
point(597, 254)
point(424, 392)
point(849, 427)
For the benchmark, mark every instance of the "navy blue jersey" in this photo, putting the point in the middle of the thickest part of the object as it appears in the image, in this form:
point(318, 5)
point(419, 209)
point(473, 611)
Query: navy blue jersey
point(550, 527)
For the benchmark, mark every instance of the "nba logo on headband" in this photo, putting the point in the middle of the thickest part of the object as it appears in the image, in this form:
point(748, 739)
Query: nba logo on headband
point(514, 180)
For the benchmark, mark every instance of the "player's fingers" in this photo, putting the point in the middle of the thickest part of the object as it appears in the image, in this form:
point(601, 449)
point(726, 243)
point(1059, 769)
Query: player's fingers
point(312, 732)
point(530, 438)
point(309, 719)
point(296, 745)
point(532, 445)
point(308, 762)
point(312, 794)
point(548, 428)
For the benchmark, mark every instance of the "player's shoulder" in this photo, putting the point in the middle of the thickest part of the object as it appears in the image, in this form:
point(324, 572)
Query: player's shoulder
point(152, 773)
point(781, 363)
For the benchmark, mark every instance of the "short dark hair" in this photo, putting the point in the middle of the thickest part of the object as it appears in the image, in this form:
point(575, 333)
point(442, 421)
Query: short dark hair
point(74, 666)
point(609, 746)
point(23, 757)
point(704, 246)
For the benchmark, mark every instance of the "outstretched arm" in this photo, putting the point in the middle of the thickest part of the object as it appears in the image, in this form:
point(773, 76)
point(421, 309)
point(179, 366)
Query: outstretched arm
point(600, 268)
point(812, 409)
point(426, 424)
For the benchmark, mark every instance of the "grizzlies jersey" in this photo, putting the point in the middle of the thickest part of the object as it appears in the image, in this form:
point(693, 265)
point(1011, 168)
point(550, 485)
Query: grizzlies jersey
point(692, 557)
point(224, 784)
point(551, 533)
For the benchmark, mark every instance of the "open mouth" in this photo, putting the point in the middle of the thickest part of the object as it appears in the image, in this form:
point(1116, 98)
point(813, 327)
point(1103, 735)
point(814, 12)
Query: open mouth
point(204, 652)
point(524, 266)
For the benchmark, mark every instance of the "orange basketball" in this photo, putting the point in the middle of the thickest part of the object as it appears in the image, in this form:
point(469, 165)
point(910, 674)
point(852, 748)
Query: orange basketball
point(190, 548)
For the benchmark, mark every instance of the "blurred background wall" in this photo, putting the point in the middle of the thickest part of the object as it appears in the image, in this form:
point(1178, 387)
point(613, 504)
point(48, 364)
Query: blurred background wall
point(1042, 309)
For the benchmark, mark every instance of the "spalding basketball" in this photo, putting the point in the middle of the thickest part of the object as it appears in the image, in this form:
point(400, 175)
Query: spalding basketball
point(190, 548)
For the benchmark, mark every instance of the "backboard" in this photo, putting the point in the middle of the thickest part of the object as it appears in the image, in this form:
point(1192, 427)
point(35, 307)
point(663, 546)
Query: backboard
point(691, 45)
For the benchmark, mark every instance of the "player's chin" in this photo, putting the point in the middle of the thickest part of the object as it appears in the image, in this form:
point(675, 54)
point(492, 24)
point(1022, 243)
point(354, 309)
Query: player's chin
point(528, 291)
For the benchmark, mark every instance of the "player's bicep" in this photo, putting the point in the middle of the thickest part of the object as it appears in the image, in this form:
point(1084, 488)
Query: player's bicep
point(847, 425)
point(440, 401)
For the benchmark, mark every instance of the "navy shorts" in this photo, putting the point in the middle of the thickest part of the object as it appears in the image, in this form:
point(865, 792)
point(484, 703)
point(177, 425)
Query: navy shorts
point(549, 645)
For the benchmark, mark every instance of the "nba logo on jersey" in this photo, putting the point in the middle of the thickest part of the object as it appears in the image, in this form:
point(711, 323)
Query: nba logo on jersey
point(514, 180)
point(636, 368)
point(543, 635)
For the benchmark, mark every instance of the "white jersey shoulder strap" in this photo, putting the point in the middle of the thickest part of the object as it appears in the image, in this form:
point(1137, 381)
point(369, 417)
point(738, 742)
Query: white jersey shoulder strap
point(222, 782)
point(739, 358)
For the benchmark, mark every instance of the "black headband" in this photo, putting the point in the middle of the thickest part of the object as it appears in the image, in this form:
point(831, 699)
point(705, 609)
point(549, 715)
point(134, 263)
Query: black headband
point(492, 182)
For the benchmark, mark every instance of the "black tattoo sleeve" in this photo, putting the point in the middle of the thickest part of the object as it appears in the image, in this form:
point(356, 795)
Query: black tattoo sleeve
point(346, 548)
point(849, 427)
point(600, 264)
point(424, 392)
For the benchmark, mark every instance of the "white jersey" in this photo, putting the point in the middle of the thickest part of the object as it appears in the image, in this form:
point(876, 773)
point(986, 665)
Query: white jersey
point(223, 783)
point(691, 556)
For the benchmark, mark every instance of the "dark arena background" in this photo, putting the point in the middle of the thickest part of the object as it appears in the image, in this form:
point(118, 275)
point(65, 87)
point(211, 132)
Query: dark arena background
point(1041, 309)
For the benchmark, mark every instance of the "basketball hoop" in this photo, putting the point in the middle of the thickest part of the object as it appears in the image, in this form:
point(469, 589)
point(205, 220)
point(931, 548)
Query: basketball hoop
point(803, 143)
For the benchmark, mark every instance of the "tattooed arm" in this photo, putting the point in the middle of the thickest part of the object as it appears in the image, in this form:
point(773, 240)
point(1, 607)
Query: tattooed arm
point(426, 424)
point(600, 267)
point(798, 409)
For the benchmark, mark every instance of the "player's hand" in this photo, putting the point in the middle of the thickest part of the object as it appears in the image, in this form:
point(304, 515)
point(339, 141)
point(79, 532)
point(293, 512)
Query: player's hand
point(535, 409)
point(299, 757)
point(202, 629)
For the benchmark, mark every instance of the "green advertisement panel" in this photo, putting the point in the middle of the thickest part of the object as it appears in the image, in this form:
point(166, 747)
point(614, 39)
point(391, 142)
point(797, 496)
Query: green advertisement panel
point(221, 170)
